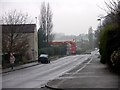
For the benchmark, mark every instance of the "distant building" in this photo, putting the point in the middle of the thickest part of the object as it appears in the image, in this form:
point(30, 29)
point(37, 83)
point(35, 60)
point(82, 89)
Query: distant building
point(71, 46)
point(31, 31)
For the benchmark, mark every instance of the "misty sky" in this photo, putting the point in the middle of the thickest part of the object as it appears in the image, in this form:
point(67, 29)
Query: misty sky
point(69, 16)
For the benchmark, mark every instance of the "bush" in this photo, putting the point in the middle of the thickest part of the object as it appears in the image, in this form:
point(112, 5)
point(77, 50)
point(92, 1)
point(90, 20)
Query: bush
point(115, 59)
point(54, 50)
point(109, 42)
point(5, 60)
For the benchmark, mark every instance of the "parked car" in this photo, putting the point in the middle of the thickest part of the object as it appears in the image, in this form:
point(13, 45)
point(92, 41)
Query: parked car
point(43, 58)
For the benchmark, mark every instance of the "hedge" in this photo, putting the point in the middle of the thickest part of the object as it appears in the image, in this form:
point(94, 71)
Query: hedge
point(109, 42)
point(54, 50)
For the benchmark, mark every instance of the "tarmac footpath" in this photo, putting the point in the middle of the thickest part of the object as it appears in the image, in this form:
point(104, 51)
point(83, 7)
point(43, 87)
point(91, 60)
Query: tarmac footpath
point(91, 76)
point(7, 70)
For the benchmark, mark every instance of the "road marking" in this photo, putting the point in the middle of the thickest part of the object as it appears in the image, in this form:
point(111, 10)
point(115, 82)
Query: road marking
point(84, 65)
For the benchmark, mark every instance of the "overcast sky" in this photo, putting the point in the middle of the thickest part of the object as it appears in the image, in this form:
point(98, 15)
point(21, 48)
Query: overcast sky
point(71, 17)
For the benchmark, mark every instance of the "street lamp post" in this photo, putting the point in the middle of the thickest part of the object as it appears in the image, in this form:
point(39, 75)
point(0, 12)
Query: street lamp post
point(36, 22)
point(99, 19)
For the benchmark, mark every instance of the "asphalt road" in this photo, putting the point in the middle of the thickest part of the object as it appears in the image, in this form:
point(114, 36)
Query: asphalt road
point(38, 76)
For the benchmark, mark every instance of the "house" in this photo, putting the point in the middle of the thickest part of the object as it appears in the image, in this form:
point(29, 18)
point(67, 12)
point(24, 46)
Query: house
point(21, 32)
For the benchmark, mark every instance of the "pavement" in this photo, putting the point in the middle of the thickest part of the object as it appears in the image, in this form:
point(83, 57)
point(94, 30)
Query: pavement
point(89, 75)
point(20, 67)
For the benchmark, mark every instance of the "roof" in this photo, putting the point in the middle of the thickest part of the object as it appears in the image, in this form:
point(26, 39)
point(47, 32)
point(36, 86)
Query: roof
point(44, 55)
point(18, 28)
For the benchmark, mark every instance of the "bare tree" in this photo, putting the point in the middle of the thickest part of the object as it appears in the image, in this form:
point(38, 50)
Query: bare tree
point(46, 24)
point(49, 24)
point(42, 29)
point(13, 38)
point(14, 17)
point(113, 12)
point(112, 17)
